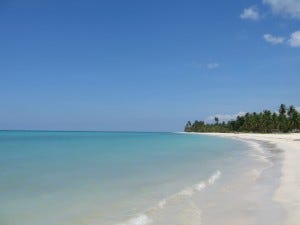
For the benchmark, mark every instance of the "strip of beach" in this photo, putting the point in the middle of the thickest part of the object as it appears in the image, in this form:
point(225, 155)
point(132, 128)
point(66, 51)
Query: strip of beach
point(288, 192)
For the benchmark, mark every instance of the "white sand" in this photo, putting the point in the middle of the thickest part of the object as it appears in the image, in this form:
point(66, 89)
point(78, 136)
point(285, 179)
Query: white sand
point(288, 193)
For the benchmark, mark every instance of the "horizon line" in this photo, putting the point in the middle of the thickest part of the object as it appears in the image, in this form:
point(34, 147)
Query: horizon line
point(112, 131)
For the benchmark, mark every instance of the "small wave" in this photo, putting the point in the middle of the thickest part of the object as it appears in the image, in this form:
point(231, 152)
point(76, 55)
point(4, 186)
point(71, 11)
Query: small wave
point(214, 177)
point(185, 193)
point(189, 191)
point(139, 220)
point(162, 203)
point(256, 146)
point(259, 153)
point(200, 186)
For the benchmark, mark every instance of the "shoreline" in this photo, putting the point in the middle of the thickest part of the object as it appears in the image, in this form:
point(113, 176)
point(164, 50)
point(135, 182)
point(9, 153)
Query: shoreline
point(288, 192)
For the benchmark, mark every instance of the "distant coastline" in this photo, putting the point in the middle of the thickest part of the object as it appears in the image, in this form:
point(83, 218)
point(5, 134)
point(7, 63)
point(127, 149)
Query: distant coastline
point(286, 120)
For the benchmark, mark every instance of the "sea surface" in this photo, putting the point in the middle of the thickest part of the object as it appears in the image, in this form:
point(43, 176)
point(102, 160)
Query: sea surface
point(119, 178)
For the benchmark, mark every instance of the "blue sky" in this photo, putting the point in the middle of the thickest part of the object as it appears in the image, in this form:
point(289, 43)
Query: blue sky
point(144, 65)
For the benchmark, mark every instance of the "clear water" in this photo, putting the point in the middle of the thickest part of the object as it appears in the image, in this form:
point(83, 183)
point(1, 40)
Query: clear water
point(72, 178)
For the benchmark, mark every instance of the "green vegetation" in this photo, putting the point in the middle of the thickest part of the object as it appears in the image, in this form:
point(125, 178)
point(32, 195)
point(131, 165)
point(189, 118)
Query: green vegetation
point(286, 120)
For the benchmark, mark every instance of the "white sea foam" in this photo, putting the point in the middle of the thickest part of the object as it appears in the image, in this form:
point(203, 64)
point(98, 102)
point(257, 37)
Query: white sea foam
point(200, 186)
point(139, 220)
point(214, 177)
point(162, 203)
point(256, 146)
point(190, 191)
point(185, 193)
point(259, 153)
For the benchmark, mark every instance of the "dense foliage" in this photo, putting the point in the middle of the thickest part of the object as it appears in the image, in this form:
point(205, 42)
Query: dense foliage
point(286, 120)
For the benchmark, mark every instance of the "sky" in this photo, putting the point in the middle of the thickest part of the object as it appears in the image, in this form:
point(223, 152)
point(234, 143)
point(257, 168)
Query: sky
point(144, 65)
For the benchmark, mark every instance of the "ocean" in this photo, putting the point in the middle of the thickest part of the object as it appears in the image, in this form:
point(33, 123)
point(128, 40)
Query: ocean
point(119, 178)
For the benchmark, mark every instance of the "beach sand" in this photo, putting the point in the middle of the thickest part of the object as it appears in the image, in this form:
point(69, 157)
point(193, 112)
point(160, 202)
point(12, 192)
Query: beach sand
point(288, 192)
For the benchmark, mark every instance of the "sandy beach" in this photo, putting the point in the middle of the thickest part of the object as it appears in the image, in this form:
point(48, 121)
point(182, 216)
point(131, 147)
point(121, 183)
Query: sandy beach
point(288, 192)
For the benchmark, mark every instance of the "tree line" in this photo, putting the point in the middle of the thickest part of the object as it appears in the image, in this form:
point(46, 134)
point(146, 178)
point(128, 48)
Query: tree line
point(286, 120)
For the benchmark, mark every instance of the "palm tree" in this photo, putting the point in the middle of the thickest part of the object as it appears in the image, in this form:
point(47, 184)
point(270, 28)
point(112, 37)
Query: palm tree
point(294, 117)
point(188, 126)
point(283, 125)
point(282, 109)
point(275, 121)
point(217, 120)
point(267, 121)
point(291, 110)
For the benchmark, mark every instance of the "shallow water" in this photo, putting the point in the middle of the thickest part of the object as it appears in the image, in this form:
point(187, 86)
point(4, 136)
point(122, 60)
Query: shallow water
point(131, 178)
point(247, 198)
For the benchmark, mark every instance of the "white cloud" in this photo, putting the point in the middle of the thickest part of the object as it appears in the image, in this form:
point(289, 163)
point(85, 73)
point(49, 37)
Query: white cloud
point(298, 108)
point(290, 8)
point(250, 13)
point(273, 40)
point(209, 66)
point(224, 117)
point(294, 40)
point(212, 66)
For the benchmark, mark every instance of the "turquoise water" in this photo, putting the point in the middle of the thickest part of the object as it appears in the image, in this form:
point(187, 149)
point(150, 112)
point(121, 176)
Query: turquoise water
point(70, 178)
